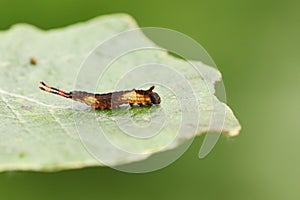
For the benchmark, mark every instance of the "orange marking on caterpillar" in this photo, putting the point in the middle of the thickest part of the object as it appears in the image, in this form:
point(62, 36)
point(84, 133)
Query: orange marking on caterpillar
point(109, 100)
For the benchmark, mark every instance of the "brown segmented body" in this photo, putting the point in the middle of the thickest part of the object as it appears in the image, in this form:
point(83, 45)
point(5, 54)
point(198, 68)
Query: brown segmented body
point(108, 100)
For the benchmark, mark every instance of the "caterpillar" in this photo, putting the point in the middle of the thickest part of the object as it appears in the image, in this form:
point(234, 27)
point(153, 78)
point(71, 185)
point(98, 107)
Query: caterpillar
point(108, 100)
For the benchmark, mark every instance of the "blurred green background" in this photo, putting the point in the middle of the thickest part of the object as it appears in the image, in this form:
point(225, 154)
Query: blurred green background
point(255, 44)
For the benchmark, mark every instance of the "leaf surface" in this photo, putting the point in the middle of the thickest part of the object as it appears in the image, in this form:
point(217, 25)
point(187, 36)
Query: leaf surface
point(39, 131)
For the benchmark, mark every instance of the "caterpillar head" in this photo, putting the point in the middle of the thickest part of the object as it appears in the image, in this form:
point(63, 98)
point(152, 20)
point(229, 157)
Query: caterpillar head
point(155, 98)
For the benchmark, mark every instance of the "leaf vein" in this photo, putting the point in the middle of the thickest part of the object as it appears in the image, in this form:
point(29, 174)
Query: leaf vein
point(16, 114)
point(31, 100)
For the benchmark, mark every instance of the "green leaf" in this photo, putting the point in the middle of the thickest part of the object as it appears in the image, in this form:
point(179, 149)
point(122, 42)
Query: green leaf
point(39, 131)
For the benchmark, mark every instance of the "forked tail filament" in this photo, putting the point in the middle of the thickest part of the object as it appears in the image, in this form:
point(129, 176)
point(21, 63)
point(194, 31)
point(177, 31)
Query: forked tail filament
point(53, 90)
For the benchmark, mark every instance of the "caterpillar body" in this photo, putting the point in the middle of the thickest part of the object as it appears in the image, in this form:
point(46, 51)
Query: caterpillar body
point(108, 100)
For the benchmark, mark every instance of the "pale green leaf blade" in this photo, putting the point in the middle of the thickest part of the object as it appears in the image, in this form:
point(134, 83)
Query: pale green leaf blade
point(38, 131)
